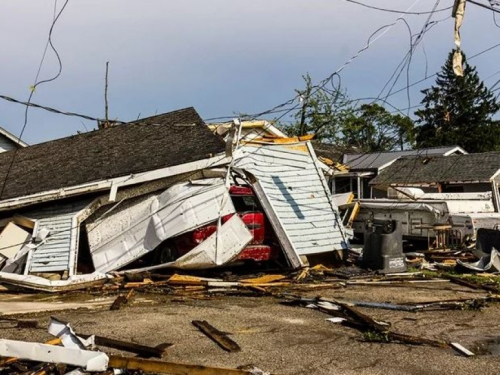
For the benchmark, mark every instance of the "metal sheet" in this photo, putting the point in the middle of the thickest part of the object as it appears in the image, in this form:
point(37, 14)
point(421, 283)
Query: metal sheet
point(58, 252)
point(138, 227)
point(215, 251)
point(297, 193)
point(90, 360)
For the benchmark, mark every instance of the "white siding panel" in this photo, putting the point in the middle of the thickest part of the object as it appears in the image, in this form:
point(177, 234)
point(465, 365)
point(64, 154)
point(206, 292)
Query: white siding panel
point(298, 194)
point(55, 254)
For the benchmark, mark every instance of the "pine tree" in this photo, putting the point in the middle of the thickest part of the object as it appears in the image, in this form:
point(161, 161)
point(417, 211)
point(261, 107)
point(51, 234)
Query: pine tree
point(459, 111)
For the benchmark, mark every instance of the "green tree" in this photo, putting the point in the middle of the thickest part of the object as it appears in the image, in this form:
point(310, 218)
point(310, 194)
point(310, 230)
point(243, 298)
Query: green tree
point(334, 118)
point(322, 112)
point(372, 128)
point(458, 111)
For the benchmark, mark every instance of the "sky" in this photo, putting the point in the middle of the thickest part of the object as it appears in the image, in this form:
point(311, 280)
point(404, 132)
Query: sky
point(222, 57)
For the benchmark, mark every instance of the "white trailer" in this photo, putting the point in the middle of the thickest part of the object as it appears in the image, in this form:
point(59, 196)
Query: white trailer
point(464, 212)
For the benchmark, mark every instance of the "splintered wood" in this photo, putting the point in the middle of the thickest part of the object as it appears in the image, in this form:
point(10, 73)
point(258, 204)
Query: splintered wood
point(220, 338)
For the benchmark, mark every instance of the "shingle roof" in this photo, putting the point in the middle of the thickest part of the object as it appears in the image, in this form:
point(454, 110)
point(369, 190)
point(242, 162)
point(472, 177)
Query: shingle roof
point(376, 160)
point(161, 141)
point(328, 150)
point(440, 169)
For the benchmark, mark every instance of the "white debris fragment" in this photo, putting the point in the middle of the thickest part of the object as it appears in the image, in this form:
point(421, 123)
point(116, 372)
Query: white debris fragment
point(32, 351)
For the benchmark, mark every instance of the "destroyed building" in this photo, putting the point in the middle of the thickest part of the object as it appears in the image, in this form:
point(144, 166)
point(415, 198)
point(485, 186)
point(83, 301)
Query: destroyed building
point(159, 192)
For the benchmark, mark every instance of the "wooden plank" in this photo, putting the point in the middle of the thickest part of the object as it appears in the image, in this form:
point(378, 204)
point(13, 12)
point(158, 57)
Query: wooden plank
point(220, 338)
point(141, 350)
point(172, 368)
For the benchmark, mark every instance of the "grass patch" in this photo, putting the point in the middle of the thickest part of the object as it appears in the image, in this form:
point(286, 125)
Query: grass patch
point(374, 336)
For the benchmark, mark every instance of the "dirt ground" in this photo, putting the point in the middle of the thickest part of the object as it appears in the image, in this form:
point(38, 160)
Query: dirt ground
point(281, 339)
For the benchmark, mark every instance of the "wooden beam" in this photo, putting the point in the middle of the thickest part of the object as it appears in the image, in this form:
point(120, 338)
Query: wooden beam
point(220, 338)
point(172, 368)
point(141, 350)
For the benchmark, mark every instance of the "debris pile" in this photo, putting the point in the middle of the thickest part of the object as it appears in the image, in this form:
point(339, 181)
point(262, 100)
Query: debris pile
point(72, 353)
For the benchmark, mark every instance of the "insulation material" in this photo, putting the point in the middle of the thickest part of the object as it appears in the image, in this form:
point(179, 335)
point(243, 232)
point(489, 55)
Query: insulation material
point(129, 232)
point(12, 239)
point(215, 251)
point(32, 351)
point(298, 194)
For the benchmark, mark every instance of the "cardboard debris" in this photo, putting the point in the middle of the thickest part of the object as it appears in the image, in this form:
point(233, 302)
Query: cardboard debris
point(12, 239)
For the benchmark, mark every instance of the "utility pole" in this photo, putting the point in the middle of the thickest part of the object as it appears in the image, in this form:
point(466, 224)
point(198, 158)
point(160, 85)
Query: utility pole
point(106, 123)
point(106, 93)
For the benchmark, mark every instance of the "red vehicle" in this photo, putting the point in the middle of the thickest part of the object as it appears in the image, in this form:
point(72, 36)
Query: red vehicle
point(259, 249)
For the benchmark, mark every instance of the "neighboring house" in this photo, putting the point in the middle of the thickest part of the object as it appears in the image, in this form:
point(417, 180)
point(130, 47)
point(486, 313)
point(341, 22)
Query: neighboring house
point(249, 129)
point(9, 141)
point(363, 167)
point(466, 173)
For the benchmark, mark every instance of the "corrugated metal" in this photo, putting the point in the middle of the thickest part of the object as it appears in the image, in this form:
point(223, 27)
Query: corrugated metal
point(298, 194)
point(58, 252)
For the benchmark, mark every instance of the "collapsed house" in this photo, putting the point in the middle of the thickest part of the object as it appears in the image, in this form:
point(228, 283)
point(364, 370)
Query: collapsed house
point(448, 196)
point(160, 192)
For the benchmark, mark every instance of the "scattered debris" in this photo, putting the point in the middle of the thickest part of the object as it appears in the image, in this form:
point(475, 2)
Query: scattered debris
point(220, 338)
point(121, 300)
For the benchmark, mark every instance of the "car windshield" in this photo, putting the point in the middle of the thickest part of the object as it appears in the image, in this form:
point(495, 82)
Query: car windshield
point(244, 203)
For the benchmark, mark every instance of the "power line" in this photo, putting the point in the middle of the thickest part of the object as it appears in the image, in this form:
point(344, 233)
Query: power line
point(484, 6)
point(35, 85)
point(396, 11)
point(53, 110)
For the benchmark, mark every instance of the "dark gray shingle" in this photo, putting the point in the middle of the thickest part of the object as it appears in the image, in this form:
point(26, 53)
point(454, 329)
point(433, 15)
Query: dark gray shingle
point(440, 169)
point(161, 141)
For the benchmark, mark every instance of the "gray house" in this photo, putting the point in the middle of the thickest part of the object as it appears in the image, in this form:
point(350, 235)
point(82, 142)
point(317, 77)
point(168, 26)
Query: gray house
point(363, 167)
point(467, 173)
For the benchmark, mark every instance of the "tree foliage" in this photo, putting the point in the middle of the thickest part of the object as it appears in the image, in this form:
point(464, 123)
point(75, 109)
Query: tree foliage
point(458, 111)
point(322, 112)
point(372, 128)
point(334, 118)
